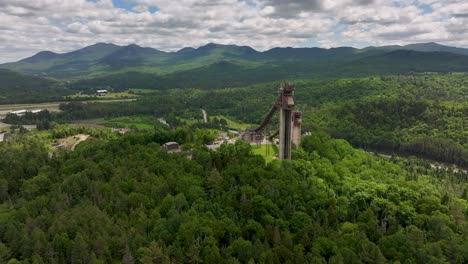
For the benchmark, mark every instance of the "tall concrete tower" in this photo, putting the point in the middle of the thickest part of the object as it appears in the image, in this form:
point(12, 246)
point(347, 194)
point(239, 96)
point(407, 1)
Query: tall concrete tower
point(286, 101)
point(290, 122)
point(296, 127)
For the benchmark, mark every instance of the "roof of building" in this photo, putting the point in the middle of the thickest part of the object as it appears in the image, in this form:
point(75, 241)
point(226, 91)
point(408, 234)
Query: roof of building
point(22, 111)
point(171, 143)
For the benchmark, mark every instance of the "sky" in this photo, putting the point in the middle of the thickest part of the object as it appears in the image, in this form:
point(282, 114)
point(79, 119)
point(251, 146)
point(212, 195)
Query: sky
point(30, 26)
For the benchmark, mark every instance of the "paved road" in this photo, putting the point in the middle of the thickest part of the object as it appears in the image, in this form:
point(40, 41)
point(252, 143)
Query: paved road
point(433, 164)
point(163, 121)
point(205, 117)
point(81, 138)
point(51, 106)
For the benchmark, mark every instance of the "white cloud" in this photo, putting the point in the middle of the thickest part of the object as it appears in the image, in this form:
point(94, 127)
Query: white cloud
point(27, 27)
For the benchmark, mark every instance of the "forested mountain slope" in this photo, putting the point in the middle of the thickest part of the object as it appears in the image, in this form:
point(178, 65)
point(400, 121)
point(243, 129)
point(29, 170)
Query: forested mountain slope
point(215, 65)
point(126, 200)
point(425, 47)
point(20, 88)
point(423, 115)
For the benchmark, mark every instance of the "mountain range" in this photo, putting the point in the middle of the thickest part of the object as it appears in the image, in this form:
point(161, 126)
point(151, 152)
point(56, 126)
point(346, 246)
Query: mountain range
point(216, 65)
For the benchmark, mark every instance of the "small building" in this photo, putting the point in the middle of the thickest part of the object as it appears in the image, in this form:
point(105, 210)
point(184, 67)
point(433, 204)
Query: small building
point(2, 137)
point(121, 130)
point(172, 146)
point(29, 127)
point(24, 111)
point(102, 92)
point(19, 112)
point(249, 136)
point(224, 136)
point(213, 146)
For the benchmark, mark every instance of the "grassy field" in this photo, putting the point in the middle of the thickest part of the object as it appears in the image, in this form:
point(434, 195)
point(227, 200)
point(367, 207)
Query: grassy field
point(108, 96)
point(90, 123)
point(269, 154)
point(54, 106)
point(142, 91)
point(232, 123)
point(135, 122)
point(51, 107)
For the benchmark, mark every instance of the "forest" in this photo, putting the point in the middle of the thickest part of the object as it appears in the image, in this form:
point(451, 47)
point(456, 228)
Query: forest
point(123, 199)
point(21, 88)
point(239, 132)
point(424, 115)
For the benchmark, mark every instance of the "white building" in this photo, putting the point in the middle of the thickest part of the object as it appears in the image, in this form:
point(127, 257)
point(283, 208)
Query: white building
point(102, 92)
point(172, 147)
point(22, 112)
point(19, 112)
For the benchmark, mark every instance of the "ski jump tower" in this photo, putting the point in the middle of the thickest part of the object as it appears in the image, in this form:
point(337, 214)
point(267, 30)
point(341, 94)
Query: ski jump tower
point(290, 122)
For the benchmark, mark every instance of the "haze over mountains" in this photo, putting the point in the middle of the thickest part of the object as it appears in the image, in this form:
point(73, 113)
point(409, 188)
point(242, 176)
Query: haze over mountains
point(216, 65)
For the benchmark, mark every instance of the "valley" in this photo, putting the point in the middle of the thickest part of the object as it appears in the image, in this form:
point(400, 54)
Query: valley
point(139, 158)
point(233, 132)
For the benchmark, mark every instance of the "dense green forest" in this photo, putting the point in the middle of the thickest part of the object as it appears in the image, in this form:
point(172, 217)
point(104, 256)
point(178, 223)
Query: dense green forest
point(220, 66)
point(21, 88)
point(423, 115)
point(124, 199)
point(234, 72)
point(216, 66)
point(381, 174)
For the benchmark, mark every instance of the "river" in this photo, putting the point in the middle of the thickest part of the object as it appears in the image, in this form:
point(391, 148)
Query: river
point(434, 164)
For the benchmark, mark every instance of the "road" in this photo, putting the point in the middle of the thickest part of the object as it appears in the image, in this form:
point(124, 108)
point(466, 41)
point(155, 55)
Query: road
point(50, 106)
point(4, 125)
point(205, 116)
point(433, 164)
point(79, 138)
point(163, 121)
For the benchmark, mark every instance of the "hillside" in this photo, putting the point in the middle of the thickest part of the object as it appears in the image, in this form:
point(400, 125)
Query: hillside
point(423, 115)
point(18, 88)
point(215, 65)
point(123, 199)
point(424, 47)
point(232, 73)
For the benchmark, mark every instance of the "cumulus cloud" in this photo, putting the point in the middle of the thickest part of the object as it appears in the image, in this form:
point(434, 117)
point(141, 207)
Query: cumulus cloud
point(27, 27)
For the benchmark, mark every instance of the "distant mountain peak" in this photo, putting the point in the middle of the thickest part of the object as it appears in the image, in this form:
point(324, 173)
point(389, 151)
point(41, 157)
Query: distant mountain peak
point(41, 56)
point(185, 50)
point(46, 53)
point(422, 47)
point(101, 44)
point(109, 58)
point(216, 45)
point(209, 46)
point(133, 45)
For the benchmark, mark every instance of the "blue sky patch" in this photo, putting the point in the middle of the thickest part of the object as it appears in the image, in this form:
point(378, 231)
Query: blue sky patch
point(426, 8)
point(153, 9)
point(124, 4)
point(249, 2)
